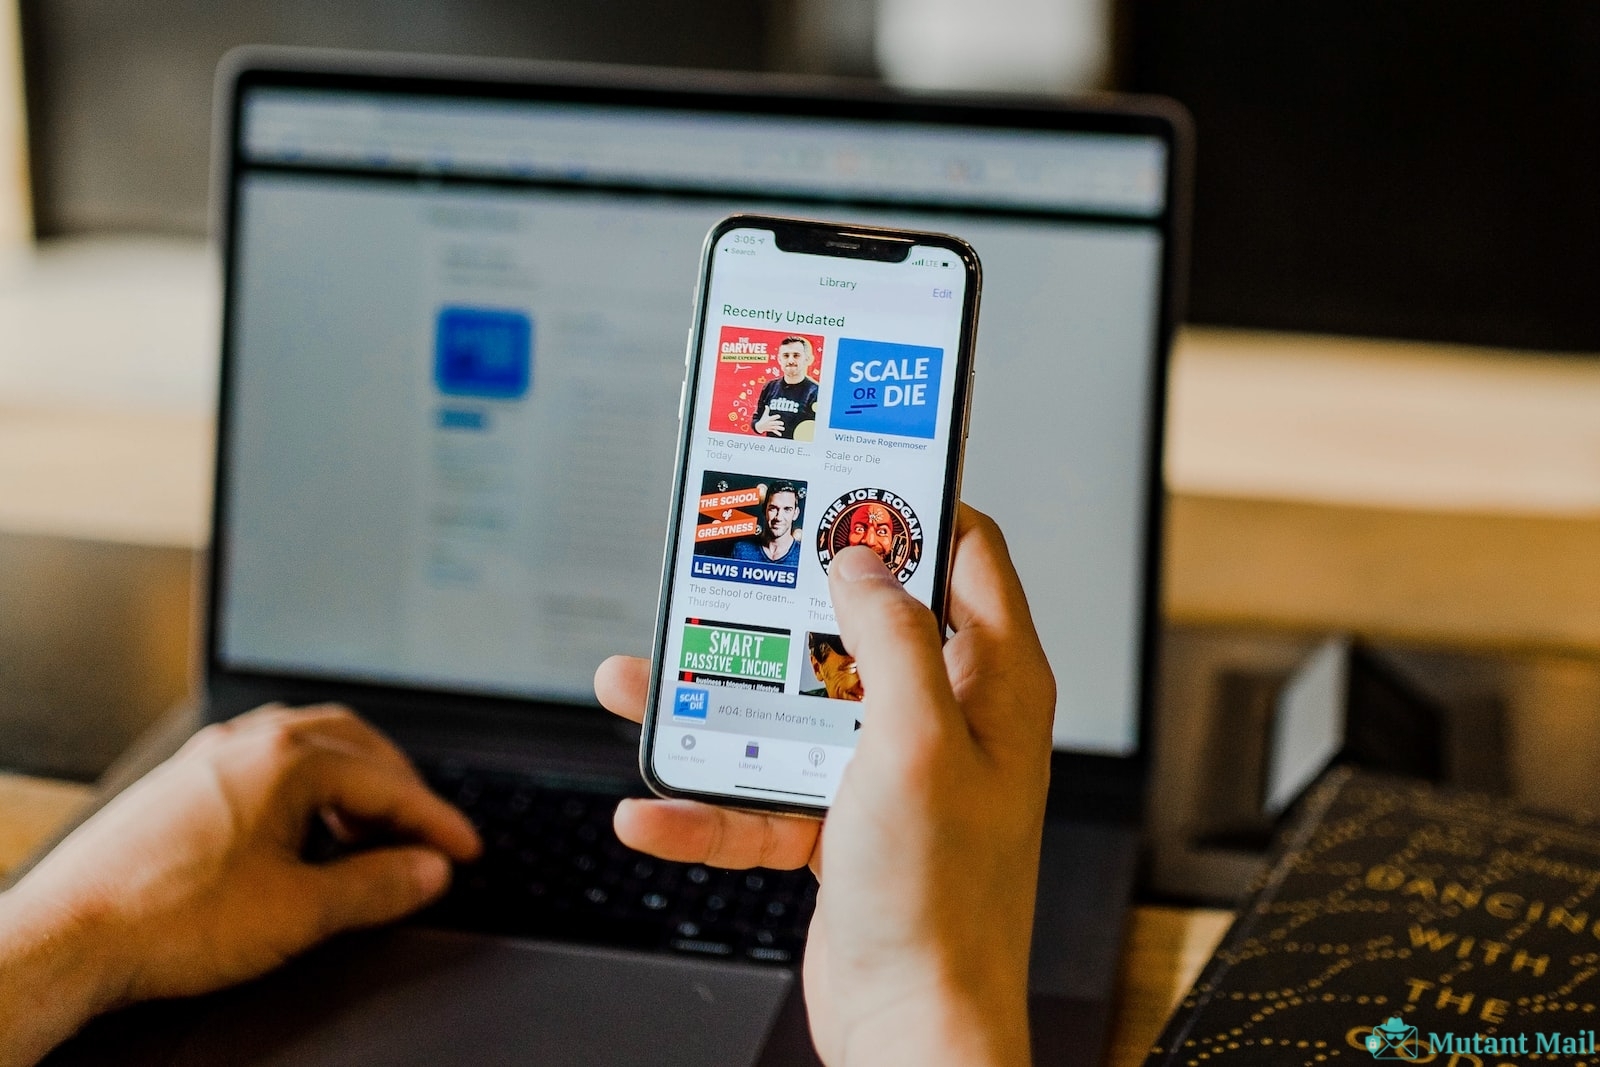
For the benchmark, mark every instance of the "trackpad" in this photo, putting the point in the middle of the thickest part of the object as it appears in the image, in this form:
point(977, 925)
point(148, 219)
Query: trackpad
point(414, 996)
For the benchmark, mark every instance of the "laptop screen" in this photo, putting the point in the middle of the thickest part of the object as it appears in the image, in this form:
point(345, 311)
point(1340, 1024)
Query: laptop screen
point(456, 336)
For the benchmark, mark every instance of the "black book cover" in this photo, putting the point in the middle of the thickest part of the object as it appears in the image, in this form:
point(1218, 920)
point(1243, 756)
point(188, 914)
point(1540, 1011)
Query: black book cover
point(1406, 923)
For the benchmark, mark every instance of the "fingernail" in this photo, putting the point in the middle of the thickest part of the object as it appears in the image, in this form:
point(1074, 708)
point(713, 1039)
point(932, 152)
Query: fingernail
point(857, 564)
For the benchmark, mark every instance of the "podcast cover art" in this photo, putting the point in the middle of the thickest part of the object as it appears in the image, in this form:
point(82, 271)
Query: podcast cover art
point(877, 518)
point(749, 529)
point(734, 655)
point(828, 670)
point(881, 387)
point(767, 383)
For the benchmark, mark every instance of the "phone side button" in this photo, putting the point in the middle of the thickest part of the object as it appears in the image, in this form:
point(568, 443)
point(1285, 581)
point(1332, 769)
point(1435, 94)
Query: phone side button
point(966, 424)
point(683, 391)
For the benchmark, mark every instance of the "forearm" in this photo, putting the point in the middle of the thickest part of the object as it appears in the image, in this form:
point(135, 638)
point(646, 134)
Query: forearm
point(971, 1012)
point(54, 977)
point(940, 1032)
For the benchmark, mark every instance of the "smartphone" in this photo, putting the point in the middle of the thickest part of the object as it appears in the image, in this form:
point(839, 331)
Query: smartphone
point(825, 402)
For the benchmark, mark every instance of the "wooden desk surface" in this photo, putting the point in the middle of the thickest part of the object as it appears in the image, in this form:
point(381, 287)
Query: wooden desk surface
point(31, 810)
point(1163, 954)
point(1166, 947)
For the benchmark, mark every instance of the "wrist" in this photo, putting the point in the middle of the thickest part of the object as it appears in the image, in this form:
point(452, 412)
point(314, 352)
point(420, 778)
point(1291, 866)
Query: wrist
point(57, 971)
point(943, 1023)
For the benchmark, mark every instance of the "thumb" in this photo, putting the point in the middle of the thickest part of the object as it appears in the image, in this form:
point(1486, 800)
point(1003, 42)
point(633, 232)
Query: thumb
point(380, 886)
point(896, 642)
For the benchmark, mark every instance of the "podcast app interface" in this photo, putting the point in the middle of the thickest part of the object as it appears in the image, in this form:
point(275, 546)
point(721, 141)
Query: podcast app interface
point(821, 420)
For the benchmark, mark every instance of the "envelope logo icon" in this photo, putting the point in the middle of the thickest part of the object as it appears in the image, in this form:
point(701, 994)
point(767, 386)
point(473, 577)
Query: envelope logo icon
point(1394, 1040)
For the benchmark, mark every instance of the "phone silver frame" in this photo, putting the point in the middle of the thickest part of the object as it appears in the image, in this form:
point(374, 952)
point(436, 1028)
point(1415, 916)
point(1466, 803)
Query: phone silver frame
point(816, 233)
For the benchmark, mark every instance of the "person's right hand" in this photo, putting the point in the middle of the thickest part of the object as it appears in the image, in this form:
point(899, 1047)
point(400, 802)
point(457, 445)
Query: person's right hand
point(918, 952)
point(768, 423)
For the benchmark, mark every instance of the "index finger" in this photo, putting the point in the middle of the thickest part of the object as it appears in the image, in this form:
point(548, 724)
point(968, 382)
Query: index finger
point(375, 792)
point(684, 831)
point(621, 683)
point(995, 651)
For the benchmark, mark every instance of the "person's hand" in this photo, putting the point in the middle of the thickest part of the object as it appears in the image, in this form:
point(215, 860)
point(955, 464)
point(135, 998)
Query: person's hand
point(768, 423)
point(193, 879)
point(918, 952)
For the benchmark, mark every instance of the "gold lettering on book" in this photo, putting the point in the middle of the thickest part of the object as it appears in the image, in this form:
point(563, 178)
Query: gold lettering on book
point(1492, 1010)
point(1387, 878)
point(1523, 959)
point(1574, 921)
point(1503, 905)
point(1511, 907)
point(1438, 940)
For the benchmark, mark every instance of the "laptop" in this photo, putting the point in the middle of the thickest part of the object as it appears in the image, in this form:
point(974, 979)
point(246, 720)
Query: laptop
point(449, 528)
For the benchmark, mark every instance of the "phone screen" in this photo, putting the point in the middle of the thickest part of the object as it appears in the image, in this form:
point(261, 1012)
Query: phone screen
point(825, 406)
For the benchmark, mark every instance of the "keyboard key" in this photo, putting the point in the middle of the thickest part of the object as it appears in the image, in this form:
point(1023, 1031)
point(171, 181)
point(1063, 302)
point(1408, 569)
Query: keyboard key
point(710, 948)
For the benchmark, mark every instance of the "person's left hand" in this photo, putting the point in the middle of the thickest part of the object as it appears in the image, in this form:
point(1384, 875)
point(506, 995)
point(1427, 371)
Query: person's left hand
point(193, 878)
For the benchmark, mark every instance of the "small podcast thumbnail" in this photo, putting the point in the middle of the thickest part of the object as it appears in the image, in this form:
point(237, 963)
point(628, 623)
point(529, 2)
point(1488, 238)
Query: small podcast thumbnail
point(749, 530)
point(690, 703)
point(879, 387)
point(829, 671)
point(733, 655)
point(877, 518)
point(767, 383)
point(483, 352)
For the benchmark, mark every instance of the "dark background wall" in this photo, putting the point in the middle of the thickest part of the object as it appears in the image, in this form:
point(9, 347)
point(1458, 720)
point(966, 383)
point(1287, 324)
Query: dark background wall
point(1402, 168)
point(119, 91)
point(1397, 168)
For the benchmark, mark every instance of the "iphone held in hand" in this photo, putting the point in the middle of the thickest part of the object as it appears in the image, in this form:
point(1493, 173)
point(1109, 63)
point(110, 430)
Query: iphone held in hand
point(825, 399)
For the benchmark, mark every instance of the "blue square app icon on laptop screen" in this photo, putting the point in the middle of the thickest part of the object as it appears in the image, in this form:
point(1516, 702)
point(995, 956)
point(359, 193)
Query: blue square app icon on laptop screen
point(483, 352)
point(879, 387)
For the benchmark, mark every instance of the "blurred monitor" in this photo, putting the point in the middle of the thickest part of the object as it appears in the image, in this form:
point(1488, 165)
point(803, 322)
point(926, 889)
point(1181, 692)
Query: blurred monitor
point(375, 528)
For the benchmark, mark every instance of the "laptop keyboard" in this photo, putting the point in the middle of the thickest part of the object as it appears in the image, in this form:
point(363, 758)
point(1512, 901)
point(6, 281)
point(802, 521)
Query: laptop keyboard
point(553, 868)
